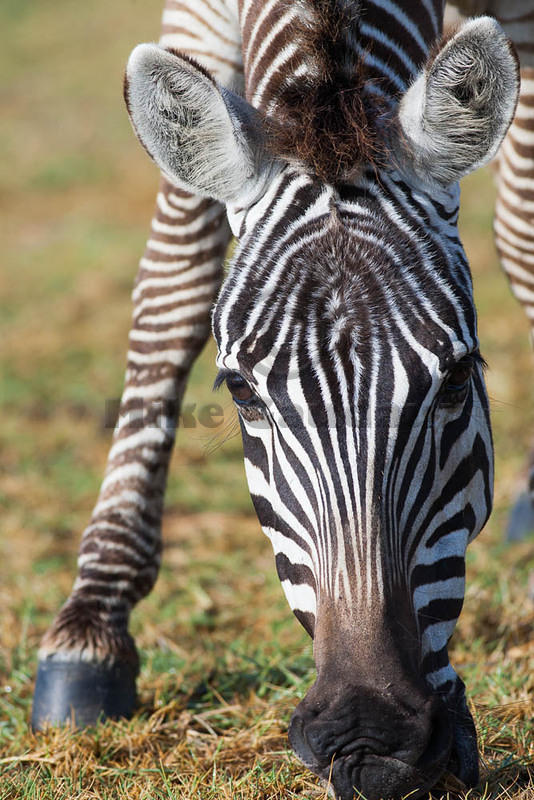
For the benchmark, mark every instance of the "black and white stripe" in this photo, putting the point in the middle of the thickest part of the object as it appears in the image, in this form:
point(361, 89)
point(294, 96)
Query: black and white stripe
point(352, 459)
point(346, 331)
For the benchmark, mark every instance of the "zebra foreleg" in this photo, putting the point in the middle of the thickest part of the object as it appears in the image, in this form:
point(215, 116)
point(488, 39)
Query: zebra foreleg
point(514, 236)
point(88, 661)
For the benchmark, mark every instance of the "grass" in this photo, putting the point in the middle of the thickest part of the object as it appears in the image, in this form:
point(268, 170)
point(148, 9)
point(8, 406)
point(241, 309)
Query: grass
point(223, 661)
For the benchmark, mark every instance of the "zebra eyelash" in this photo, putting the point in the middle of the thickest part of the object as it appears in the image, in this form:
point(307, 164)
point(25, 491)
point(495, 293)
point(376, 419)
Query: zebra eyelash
point(479, 359)
point(475, 357)
point(220, 379)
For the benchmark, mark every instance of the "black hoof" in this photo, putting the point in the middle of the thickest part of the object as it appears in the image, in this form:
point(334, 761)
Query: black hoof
point(82, 693)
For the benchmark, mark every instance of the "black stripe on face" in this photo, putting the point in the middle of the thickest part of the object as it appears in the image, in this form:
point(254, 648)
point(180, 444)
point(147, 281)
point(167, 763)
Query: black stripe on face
point(270, 519)
point(296, 573)
point(307, 620)
point(454, 430)
point(434, 661)
point(440, 610)
point(475, 461)
point(462, 519)
point(442, 570)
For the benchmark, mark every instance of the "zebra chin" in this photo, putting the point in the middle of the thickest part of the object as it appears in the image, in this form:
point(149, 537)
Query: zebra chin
point(367, 743)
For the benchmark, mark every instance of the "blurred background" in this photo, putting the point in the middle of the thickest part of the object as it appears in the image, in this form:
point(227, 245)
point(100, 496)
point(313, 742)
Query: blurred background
point(76, 197)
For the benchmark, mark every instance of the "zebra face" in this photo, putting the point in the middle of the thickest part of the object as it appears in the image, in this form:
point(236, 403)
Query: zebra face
point(350, 351)
point(347, 338)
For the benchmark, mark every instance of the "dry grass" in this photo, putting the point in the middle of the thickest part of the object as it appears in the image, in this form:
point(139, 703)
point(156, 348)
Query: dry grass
point(222, 672)
point(223, 662)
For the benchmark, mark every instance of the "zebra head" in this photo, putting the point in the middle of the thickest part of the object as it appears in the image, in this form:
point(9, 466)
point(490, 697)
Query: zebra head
point(347, 337)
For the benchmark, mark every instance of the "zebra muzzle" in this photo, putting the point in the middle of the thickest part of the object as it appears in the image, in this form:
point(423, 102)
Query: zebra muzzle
point(382, 746)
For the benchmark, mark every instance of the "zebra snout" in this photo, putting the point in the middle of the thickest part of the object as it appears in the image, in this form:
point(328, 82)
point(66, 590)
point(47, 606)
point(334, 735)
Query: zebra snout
point(384, 747)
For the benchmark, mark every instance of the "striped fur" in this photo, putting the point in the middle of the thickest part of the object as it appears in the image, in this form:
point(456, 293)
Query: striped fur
point(347, 330)
point(178, 280)
point(361, 481)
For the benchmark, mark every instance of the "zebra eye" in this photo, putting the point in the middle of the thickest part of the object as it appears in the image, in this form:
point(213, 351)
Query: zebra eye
point(457, 384)
point(239, 388)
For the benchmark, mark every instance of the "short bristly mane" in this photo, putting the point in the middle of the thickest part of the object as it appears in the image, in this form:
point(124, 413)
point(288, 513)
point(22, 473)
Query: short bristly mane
point(322, 117)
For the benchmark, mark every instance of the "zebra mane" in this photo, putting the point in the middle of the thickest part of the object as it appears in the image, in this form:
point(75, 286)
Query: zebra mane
point(321, 116)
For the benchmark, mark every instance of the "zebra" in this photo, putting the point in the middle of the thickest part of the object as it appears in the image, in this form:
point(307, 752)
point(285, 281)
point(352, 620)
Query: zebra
point(328, 137)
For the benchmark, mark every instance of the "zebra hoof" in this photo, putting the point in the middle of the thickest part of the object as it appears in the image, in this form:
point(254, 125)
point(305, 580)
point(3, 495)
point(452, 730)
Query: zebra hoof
point(82, 693)
point(521, 520)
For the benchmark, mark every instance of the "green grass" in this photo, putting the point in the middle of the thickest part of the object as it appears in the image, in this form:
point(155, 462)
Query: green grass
point(223, 661)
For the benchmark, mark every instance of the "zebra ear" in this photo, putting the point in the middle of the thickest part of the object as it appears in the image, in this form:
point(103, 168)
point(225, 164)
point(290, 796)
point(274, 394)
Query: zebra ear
point(456, 114)
point(201, 135)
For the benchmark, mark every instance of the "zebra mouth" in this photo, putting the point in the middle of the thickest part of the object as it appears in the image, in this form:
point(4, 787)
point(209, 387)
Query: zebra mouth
point(378, 763)
point(373, 774)
point(381, 778)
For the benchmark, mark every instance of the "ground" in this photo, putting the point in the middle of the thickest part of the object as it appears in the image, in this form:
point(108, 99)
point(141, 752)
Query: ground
point(223, 660)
